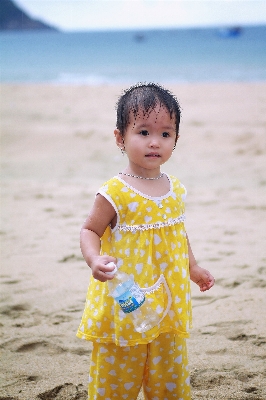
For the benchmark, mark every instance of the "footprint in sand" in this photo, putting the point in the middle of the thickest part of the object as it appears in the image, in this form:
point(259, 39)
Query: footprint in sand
point(11, 282)
point(244, 337)
point(9, 398)
point(258, 283)
point(60, 318)
point(252, 389)
point(71, 258)
point(208, 378)
point(80, 351)
point(228, 324)
point(205, 300)
point(233, 283)
point(244, 376)
point(262, 270)
point(226, 328)
point(217, 352)
point(256, 340)
point(67, 391)
point(33, 378)
point(14, 311)
point(42, 347)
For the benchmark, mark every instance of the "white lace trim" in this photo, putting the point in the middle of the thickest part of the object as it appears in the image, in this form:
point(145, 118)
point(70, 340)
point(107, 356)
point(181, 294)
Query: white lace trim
point(157, 225)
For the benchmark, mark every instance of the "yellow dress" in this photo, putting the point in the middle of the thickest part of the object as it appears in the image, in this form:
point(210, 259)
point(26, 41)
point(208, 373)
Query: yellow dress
point(150, 243)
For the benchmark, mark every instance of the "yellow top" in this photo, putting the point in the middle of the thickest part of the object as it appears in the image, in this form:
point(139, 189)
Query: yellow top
point(149, 242)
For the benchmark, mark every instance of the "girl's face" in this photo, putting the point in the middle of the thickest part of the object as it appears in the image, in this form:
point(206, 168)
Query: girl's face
point(149, 140)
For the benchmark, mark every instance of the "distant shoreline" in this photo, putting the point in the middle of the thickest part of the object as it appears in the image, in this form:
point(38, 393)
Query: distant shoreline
point(219, 29)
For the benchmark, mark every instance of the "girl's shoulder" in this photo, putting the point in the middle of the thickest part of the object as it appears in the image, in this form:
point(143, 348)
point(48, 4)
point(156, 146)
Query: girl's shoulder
point(114, 189)
point(177, 185)
point(112, 185)
point(175, 181)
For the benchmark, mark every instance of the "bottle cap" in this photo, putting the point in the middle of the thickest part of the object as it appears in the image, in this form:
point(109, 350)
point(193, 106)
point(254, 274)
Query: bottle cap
point(111, 264)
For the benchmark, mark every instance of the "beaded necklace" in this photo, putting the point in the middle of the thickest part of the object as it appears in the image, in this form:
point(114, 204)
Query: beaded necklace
point(142, 177)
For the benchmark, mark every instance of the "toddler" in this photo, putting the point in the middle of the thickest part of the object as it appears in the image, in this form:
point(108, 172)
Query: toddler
point(137, 222)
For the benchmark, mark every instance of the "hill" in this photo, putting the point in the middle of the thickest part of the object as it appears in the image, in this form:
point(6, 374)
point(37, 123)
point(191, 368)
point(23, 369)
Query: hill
point(14, 18)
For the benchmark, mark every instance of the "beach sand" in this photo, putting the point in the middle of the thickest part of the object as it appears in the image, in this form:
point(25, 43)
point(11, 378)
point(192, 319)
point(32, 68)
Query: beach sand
point(57, 149)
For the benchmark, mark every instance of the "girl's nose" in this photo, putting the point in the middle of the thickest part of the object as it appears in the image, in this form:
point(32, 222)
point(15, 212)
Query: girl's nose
point(154, 142)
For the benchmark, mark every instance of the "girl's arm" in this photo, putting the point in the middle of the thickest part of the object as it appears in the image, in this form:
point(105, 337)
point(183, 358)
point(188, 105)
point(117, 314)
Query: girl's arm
point(100, 216)
point(199, 275)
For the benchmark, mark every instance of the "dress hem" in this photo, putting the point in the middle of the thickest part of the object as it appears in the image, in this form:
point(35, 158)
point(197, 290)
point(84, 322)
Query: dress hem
point(96, 339)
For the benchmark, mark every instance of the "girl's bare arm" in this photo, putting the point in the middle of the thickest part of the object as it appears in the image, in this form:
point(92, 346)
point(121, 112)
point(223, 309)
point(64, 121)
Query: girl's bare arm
point(100, 216)
point(202, 277)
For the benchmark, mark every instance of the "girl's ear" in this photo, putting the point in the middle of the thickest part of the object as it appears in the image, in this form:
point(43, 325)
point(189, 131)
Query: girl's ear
point(119, 139)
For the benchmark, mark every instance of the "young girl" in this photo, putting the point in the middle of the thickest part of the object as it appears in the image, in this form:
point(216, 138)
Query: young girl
point(137, 222)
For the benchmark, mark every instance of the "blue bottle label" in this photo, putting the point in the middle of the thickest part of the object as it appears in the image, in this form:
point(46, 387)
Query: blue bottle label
point(131, 299)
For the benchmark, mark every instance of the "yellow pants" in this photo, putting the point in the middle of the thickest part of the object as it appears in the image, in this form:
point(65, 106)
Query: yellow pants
point(160, 366)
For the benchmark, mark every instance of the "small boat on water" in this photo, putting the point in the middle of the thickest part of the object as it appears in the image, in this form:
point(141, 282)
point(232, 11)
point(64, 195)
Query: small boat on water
point(233, 31)
point(139, 37)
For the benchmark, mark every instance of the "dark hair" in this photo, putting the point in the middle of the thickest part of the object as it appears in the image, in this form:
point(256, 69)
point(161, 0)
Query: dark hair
point(145, 96)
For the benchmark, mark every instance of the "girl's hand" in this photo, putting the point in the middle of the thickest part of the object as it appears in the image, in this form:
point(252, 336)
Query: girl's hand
point(99, 267)
point(201, 277)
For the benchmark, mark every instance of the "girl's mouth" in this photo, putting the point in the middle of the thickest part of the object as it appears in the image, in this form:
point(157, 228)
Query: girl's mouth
point(153, 155)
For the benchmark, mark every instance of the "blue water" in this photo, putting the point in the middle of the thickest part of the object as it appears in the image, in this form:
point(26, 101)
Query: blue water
point(177, 55)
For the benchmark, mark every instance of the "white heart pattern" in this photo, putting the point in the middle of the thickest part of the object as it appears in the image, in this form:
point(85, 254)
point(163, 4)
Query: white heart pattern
point(113, 386)
point(103, 350)
point(156, 360)
point(110, 360)
point(101, 391)
point(112, 372)
point(129, 385)
point(156, 239)
point(133, 206)
point(170, 386)
point(178, 360)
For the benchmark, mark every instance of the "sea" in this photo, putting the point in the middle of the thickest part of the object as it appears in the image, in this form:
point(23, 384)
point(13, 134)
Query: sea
point(130, 56)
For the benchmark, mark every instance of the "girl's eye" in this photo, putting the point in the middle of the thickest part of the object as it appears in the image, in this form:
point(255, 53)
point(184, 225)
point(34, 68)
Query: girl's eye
point(144, 133)
point(165, 134)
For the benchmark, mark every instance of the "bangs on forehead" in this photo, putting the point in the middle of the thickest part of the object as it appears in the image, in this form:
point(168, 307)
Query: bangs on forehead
point(142, 99)
point(146, 109)
point(146, 102)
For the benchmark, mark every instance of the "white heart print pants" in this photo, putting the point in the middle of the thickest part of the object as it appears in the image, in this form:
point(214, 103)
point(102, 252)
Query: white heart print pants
point(161, 367)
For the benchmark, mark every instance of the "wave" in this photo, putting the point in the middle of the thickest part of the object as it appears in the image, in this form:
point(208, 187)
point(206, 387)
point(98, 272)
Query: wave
point(79, 79)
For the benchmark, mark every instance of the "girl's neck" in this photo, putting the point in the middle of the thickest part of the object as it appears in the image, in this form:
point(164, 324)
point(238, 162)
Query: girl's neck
point(142, 173)
point(150, 187)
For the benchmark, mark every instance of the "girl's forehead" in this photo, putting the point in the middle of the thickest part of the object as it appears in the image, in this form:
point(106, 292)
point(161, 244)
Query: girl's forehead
point(159, 111)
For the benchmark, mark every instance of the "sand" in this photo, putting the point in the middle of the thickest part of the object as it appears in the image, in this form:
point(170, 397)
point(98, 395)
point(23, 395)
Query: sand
point(57, 149)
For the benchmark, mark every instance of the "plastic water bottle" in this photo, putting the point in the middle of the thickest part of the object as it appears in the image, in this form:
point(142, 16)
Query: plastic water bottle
point(132, 300)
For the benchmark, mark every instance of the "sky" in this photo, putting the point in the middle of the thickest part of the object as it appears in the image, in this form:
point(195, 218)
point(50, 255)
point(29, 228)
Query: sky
point(78, 15)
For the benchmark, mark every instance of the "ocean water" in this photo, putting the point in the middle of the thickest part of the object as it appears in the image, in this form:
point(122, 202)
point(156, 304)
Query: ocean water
point(174, 55)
